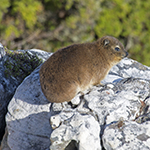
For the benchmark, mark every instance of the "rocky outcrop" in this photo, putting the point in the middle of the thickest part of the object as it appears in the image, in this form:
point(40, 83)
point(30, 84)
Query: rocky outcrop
point(31, 116)
point(119, 109)
point(113, 116)
point(14, 67)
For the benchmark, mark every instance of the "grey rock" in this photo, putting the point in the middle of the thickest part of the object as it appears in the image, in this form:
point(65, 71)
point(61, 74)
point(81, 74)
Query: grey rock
point(14, 67)
point(111, 106)
point(128, 68)
point(4, 145)
point(113, 116)
point(83, 129)
point(28, 123)
point(2, 51)
point(130, 136)
point(40, 54)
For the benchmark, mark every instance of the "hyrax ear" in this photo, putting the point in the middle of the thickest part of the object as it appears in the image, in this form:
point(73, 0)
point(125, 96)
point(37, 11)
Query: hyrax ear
point(106, 42)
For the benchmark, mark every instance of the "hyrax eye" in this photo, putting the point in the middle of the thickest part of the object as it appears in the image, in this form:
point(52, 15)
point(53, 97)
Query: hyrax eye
point(117, 48)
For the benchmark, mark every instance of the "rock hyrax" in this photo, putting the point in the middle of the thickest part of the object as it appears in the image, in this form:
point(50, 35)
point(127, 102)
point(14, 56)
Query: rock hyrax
point(78, 67)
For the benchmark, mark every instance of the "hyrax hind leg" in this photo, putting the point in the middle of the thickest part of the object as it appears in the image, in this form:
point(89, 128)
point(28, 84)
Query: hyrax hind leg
point(67, 91)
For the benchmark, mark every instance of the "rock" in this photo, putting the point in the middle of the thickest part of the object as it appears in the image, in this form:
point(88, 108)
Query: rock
point(113, 116)
point(83, 129)
point(130, 135)
point(14, 67)
point(2, 51)
point(111, 106)
point(28, 122)
point(4, 145)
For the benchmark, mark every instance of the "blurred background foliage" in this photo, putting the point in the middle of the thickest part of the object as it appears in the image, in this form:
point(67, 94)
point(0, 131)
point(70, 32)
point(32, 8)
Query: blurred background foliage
point(51, 24)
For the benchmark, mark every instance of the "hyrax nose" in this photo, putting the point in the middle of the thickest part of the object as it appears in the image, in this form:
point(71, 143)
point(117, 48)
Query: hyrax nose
point(125, 54)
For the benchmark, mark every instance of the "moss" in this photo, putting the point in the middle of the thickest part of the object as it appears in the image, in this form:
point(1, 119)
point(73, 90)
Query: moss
point(20, 64)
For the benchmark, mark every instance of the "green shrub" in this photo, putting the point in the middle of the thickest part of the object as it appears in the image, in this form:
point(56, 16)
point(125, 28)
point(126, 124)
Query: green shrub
point(51, 24)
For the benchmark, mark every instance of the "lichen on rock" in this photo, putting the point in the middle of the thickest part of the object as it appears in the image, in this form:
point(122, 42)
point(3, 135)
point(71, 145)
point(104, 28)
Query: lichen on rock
point(19, 64)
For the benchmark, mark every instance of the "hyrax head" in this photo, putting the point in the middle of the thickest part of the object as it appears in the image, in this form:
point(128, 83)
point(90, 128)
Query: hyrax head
point(114, 49)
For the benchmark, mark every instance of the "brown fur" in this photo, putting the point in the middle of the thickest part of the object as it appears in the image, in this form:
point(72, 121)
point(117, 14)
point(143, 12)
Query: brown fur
point(78, 67)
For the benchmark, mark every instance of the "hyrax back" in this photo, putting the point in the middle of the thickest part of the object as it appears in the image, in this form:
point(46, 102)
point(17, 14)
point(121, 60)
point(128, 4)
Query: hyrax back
point(78, 67)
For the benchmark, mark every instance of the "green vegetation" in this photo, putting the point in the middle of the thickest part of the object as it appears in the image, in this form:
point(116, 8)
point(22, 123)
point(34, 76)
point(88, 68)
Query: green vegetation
point(20, 64)
point(51, 24)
